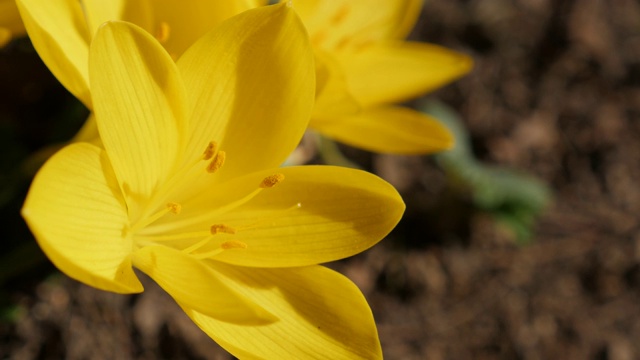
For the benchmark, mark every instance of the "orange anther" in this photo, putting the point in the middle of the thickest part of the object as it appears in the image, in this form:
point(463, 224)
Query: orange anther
point(222, 228)
point(217, 162)
point(233, 244)
point(211, 150)
point(174, 208)
point(271, 181)
point(164, 30)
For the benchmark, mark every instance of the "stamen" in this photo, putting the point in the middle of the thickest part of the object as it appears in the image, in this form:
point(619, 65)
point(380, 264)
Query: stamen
point(179, 236)
point(233, 244)
point(164, 30)
point(227, 245)
point(211, 150)
point(217, 162)
point(266, 183)
point(180, 178)
point(169, 208)
point(215, 229)
point(197, 245)
point(271, 181)
point(174, 208)
point(222, 228)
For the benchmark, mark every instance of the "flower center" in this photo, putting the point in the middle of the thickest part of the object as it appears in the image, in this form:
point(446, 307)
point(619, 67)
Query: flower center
point(205, 243)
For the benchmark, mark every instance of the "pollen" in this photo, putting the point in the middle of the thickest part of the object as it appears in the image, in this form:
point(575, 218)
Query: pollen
point(271, 181)
point(164, 30)
point(174, 208)
point(222, 228)
point(217, 162)
point(233, 244)
point(211, 150)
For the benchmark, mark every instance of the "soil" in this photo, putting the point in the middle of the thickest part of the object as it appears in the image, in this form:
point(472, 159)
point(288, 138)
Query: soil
point(555, 92)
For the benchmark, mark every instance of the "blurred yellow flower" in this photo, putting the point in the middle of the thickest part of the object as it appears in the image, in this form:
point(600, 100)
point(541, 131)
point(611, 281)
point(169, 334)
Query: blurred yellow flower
point(10, 22)
point(364, 66)
point(61, 32)
point(188, 190)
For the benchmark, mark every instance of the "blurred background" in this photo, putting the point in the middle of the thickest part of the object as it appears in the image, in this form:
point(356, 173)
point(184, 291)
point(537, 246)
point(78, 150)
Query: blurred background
point(486, 264)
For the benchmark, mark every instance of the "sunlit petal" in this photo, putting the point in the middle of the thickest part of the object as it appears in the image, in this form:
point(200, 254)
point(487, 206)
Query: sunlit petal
point(322, 315)
point(98, 12)
point(316, 214)
point(394, 72)
point(388, 129)
point(59, 33)
point(74, 210)
point(350, 24)
point(140, 107)
point(187, 21)
point(197, 286)
point(252, 80)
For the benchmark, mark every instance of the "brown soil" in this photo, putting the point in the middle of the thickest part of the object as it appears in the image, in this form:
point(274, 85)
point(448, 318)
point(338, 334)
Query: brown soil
point(555, 93)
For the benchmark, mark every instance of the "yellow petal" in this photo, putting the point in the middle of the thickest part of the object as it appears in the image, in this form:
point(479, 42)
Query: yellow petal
point(255, 3)
point(322, 315)
point(187, 21)
point(176, 24)
point(59, 33)
point(388, 129)
point(10, 17)
point(394, 72)
point(316, 214)
point(332, 93)
point(196, 286)
point(76, 213)
point(349, 24)
point(253, 82)
point(98, 12)
point(139, 105)
point(88, 132)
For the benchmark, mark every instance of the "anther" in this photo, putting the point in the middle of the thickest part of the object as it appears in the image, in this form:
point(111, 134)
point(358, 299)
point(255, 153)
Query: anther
point(222, 228)
point(164, 30)
point(217, 162)
point(271, 181)
point(169, 208)
point(233, 244)
point(211, 150)
point(227, 245)
point(174, 208)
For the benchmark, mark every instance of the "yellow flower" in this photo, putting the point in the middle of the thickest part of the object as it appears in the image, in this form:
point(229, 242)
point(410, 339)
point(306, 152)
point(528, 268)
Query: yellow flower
point(61, 32)
point(10, 23)
point(365, 66)
point(187, 189)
